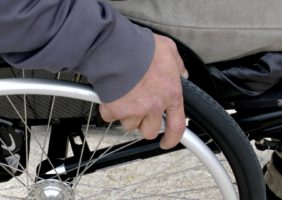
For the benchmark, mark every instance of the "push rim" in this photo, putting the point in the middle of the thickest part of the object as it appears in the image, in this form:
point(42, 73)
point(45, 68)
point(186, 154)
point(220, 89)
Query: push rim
point(53, 88)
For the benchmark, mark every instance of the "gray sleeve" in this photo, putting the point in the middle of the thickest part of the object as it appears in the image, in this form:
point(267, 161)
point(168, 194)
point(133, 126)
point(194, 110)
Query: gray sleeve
point(84, 36)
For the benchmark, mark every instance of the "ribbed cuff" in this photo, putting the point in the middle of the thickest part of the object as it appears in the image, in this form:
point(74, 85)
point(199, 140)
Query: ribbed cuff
point(121, 61)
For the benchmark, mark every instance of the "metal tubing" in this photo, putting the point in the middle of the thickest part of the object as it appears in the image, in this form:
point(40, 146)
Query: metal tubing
point(204, 154)
point(85, 92)
point(48, 87)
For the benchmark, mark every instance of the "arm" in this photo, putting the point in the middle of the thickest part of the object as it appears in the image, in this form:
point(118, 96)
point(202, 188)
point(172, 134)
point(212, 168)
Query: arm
point(135, 74)
point(86, 36)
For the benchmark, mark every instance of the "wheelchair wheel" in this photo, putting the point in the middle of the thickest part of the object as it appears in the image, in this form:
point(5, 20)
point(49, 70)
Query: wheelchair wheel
point(228, 137)
point(71, 158)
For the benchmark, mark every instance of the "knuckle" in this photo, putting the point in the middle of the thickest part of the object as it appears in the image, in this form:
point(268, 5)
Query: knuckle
point(168, 42)
point(171, 43)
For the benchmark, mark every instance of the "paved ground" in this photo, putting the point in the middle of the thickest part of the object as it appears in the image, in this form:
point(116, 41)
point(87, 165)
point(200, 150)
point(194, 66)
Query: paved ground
point(175, 176)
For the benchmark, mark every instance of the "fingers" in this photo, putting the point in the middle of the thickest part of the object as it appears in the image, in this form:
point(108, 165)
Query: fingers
point(175, 121)
point(174, 129)
point(131, 123)
point(106, 114)
point(118, 111)
point(175, 125)
point(150, 126)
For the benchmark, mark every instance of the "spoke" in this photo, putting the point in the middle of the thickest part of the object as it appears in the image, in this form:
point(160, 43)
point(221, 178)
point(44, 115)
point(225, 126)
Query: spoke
point(96, 148)
point(37, 141)
point(105, 153)
point(48, 125)
point(26, 136)
point(83, 146)
point(89, 162)
point(12, 154)
point(8, 166)
point(100, 141)
point(52, 105)
point(129, 188)
point(4, 166)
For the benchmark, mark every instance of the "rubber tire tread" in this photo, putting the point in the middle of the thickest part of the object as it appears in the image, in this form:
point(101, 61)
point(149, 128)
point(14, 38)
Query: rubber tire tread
point(225, 132)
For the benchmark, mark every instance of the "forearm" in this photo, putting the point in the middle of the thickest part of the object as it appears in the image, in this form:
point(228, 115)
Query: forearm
point(87, 37)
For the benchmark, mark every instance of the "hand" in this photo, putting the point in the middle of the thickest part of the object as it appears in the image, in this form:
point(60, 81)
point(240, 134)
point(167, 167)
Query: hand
point(159, 91)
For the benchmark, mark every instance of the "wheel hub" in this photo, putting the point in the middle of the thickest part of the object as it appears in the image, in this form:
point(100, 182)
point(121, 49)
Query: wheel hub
point(50, 190)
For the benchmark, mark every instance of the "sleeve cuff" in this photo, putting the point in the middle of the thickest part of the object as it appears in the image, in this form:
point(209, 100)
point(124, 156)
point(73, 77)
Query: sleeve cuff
point(121, 61)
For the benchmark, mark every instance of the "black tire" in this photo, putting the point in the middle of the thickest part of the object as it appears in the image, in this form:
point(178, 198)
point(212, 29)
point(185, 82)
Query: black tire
point(228, 136)
point(204, 111)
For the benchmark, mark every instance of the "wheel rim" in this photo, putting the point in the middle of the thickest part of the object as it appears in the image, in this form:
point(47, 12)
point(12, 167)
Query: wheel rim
point(80, 188)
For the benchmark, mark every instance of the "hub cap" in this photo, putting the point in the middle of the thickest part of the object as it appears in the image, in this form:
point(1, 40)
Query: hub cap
point(50, 190)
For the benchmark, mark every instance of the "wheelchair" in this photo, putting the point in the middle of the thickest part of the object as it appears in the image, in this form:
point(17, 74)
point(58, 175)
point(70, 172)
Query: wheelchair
point(76, 155)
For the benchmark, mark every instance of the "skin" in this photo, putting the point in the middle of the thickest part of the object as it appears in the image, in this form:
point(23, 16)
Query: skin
point(159, 91)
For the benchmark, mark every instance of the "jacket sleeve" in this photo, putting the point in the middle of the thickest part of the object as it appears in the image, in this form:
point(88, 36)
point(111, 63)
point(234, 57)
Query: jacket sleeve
point(83, 36)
